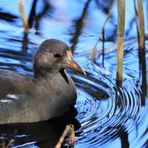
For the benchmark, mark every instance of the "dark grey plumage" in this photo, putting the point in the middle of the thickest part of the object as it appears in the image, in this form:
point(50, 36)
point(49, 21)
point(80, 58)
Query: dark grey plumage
point(49, 94)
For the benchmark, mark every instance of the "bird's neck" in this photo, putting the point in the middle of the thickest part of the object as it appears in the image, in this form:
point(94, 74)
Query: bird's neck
point(55, 92)
point(55, 83)
point(52, 78)
point(44, 74)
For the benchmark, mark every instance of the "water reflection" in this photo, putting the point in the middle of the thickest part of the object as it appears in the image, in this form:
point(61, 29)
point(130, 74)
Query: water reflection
point(105, 117)
point(44, 134)
point(104, 120)
point(142, 73)
point(78, 25)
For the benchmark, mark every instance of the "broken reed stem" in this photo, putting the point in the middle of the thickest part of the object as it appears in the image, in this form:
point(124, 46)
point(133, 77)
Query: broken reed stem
point(121, 17)
point(141, 36)
point(23, 16)
point(94, 50)
point(120, 41)
point(59, 144)
point(69, 129)
point(120, 46)
point(72, 139)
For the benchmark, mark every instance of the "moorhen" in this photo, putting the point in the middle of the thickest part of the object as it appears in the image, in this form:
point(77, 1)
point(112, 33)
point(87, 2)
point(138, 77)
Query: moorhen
point(50, 93)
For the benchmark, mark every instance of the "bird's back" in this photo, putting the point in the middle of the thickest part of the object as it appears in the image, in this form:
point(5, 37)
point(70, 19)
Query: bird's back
point(12, 82)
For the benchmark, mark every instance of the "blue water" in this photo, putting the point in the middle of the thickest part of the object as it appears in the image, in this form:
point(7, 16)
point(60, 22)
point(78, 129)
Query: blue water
point(105, 117)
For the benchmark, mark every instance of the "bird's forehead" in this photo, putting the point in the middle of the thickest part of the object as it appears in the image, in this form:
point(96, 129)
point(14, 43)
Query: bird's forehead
point(54, 46)
point(56, 51)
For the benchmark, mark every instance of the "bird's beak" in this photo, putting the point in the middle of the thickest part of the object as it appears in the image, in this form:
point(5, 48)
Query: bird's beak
point(71, 63)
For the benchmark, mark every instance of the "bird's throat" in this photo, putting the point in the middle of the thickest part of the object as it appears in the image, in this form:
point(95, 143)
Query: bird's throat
point(62, 72)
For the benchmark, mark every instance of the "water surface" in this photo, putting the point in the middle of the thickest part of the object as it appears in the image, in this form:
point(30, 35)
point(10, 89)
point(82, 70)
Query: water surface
point(106, 116)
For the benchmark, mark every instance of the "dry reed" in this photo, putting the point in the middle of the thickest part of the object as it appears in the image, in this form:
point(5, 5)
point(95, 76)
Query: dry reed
point(120, 40)
point(23, 16)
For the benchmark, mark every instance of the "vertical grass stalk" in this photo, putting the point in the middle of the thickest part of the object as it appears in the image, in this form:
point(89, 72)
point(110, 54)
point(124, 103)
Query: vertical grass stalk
point(141, 36)
point(120, 45)
point(23, 16)
point(120, 40)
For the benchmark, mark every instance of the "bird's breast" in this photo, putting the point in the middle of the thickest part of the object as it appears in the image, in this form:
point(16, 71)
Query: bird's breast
point(55, 94)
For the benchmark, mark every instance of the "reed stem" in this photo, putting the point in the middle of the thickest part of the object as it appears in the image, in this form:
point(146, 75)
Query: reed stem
point(69, 129)
point(23, 16)
point(94, 50)
point(120, 41)
point(119, 60)
point(141, 36)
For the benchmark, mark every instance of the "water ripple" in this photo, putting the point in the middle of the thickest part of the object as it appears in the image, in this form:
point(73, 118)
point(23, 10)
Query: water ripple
point(103, 119)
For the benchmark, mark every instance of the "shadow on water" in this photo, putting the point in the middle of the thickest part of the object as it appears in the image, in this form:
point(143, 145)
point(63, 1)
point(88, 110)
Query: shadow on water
point(142, 74)
point(78, 25)
point(106, 116)
point(42, 134)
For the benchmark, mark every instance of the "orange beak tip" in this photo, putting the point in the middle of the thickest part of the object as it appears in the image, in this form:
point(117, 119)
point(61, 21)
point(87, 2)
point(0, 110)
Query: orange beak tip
point(72, 64)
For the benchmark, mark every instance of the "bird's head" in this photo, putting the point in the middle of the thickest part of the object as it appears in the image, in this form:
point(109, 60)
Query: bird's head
point(53, 56)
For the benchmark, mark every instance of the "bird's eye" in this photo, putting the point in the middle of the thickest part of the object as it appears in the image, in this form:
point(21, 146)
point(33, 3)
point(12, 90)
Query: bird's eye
point(57, 55)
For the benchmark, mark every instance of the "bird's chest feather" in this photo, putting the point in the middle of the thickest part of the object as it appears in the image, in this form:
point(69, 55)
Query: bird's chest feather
point(55, 95)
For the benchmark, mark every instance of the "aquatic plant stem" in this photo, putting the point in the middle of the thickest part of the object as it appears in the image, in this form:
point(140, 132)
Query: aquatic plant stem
point(94, 50)
point(23, 16)
point(141, 36)
point(120, 41)
point(119, 60)
point(139, 17)
point(69, 129)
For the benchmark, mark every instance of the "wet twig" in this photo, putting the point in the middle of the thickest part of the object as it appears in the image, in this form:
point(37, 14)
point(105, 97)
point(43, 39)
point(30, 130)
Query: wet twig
point(68, 130)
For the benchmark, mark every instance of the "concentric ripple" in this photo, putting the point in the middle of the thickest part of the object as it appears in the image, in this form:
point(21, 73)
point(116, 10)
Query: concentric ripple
point(116, 118)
